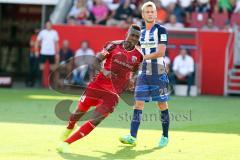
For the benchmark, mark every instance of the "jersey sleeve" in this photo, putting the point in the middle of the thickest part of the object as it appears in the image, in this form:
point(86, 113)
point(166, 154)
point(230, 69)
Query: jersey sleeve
point(108, 48)
point(162, 35)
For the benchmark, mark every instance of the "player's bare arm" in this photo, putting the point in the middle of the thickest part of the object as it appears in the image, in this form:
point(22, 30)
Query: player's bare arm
point(36, 48)
point(160, 53)
point(132, 80)
point(97, 65)
point(100, 57)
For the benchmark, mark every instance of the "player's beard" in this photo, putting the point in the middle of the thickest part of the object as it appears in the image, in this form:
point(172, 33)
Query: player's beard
point(128, 45)
point(150, 21)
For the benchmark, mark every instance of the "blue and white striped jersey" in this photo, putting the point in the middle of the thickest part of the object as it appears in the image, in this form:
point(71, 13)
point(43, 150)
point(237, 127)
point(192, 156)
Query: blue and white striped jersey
point(149, 40)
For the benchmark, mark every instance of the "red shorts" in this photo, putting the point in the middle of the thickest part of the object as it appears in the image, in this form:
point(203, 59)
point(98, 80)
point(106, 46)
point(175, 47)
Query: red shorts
point(104, 101)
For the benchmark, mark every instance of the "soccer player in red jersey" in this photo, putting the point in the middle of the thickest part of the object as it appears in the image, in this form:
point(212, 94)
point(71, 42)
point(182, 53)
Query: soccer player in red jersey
point(122, 59)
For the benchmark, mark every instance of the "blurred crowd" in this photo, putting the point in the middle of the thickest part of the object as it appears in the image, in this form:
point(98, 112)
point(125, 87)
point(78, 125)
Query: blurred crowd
point(74, 67)
point(172, 13)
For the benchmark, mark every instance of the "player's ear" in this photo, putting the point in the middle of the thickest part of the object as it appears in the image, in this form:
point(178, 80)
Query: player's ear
point(138, 44)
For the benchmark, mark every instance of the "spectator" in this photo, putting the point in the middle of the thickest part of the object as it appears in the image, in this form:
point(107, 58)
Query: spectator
point(122, 15)
point(83, 56)
point(188, 7)
point(162, 13)
point(173, 24)
point(112, 4)
point(227, 26)
point(237, 7)
point(203, 6)
point(183, 68)
point(48, 40)
point(137, 3)
point(137, 12)
point(175, 8)
point(80, 12)
point(166, 3)
point(225, 6)
point(100, 12)
point(65, 54)
point(33, 61)
point(185, 3)
point(200, 6)
point(71, 21)
point(213, 6)
point(210, 25)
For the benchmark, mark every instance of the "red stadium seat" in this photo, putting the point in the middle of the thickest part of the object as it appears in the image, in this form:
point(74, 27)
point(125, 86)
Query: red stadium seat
point(235, 19)
point(219, 19)
point(198, 20)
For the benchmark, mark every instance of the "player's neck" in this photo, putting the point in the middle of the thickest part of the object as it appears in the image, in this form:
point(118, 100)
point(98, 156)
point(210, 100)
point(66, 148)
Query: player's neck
point(149, 25)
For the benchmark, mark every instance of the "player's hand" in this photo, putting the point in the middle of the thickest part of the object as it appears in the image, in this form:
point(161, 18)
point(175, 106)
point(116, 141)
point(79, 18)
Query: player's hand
point(131, 85)
point(145, 57)
point(37, 54)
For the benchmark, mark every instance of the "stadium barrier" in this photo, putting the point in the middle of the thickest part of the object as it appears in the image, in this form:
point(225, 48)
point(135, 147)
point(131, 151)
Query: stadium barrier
point(6, 80)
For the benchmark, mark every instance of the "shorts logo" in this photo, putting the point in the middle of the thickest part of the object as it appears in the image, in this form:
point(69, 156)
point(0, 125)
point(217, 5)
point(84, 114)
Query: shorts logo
point(163, 37)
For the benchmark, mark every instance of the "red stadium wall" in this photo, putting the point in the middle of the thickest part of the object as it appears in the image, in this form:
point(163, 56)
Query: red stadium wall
point(96, 36)
point(207, 48)
point(213, 47)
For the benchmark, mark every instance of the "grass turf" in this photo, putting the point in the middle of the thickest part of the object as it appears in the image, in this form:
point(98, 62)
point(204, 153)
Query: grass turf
point(204, 127)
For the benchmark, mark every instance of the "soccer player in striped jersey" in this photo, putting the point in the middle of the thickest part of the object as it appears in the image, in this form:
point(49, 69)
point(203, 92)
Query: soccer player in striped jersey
point(152, 83)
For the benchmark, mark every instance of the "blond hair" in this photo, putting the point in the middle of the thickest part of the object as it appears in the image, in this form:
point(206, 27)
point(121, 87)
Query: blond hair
point(149, 4)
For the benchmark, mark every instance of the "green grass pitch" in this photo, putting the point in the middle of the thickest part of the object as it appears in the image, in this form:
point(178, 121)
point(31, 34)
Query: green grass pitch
point(202, 128)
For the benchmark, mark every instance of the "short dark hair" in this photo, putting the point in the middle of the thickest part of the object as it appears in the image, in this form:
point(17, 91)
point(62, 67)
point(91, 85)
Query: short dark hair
point(136, 27)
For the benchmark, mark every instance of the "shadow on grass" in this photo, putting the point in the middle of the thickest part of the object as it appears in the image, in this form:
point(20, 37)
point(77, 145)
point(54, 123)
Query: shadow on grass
point(73, 156)
point(125, 152)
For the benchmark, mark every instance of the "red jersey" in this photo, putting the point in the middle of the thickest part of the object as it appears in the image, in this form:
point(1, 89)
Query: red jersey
point(121, 63)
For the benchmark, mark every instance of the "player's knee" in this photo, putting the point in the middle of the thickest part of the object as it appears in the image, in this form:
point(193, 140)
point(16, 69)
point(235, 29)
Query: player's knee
point(77, 114)
point(97, 119)
point(138, 107)
point(162, 105)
